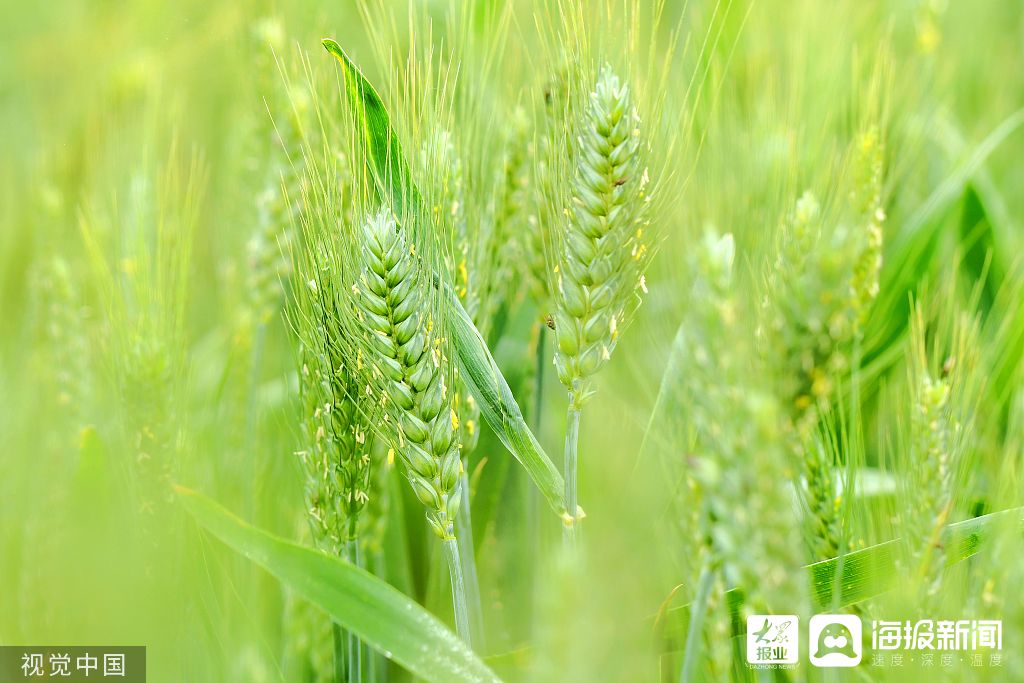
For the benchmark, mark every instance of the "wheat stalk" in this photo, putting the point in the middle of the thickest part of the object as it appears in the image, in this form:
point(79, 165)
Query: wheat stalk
point(601, 252)
point(405, 355)
point(338, 457)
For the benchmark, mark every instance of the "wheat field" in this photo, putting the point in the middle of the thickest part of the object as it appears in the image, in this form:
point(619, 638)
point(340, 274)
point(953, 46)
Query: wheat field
point(583, 340)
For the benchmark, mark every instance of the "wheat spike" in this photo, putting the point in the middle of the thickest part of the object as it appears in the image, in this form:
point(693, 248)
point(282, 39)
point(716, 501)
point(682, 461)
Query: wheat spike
point(941, 404)
point(602, 248)
point(821, 289)
point(408, 357)
point(737, 429)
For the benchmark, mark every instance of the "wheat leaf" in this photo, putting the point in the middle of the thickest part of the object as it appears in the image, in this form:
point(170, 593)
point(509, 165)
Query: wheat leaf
point(379, 614)
point(499, 408)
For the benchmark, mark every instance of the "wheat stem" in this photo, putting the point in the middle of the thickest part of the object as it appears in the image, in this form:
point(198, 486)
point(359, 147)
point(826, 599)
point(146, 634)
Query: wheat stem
point(348, 649)
point(572, 432)
point(697, 610)
point(451, 552)
point(353, 646)
point(339, 653)
point(464, 526)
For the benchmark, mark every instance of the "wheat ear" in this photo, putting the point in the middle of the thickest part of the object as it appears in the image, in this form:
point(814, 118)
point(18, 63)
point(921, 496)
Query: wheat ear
point(747, 527)
point(407, 357)
point(821, 293)
point(601, 251)
point(943, 401)
point(339, 442)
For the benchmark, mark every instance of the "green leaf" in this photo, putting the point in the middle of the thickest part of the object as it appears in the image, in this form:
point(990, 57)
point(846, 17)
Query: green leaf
point(385, 161)
point(872, 571)
point(952, 187)
point(911, 251)
point(499, 408)
point(978, 246)
point(393, 182)
point(379, 614)
point(1004, 228)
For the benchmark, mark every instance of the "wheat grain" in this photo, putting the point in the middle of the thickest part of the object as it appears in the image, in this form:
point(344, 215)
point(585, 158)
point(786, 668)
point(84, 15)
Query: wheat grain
point(737, 428)
point(441, 161)
point(866, 201)
point(822, 286)
point(373, 520)
point(552, 146)
point(503, 248)
point(337, 455)
point(747, 528)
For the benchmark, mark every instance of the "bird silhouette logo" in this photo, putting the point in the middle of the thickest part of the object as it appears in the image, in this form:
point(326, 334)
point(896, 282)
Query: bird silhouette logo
point(835, 639)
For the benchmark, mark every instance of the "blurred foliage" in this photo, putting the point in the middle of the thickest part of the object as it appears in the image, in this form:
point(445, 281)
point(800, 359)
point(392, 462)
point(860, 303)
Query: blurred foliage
point(149, 181)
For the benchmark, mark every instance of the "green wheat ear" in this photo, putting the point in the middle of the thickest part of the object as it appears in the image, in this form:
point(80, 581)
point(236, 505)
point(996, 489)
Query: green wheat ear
point(284, 126)
point(603, 247)
point(737, 429)
point(407, 357)
point(820, 291)
point(441, 160)
point(65, 334)
point(337, 453)
point(942, 404)
point(337, 456)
